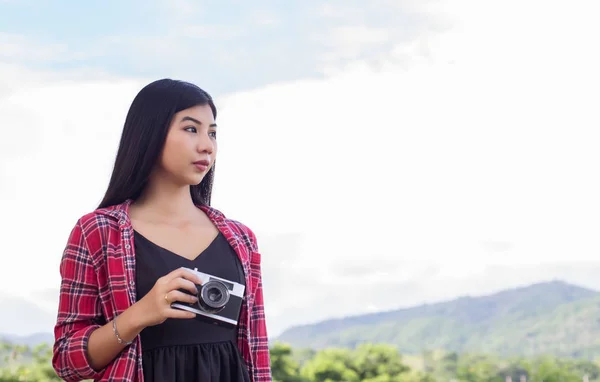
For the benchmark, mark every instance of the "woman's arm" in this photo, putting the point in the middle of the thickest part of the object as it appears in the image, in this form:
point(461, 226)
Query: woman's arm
point(258, 325)
point(258, 330)
point(84, 343)
point(79, 311)
point(151, 310)
point(103, 345)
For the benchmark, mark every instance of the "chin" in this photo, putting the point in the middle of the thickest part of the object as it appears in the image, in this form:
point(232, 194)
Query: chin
point(194, 180)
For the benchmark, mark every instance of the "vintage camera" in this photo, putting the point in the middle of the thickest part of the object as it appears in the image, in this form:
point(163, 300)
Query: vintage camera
point(219, 300)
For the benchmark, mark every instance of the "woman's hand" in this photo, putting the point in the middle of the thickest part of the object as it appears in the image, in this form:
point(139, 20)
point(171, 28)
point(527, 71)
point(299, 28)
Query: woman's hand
point(155, 307)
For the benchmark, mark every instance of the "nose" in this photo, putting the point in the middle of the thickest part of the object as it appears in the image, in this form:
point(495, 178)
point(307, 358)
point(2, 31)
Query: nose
point(205, 144)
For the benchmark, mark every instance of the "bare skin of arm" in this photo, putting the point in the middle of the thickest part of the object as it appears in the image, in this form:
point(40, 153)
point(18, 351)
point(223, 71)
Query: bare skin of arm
point(152, 309)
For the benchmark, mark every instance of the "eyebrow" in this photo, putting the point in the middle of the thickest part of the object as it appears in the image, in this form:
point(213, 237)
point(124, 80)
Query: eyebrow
point(186, 118)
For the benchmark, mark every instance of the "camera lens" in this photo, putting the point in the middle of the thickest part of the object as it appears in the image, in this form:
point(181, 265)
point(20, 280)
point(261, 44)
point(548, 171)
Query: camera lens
point(213, 296)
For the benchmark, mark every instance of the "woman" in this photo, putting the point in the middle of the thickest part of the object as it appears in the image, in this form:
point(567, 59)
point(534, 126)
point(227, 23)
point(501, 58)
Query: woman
point(127, 262)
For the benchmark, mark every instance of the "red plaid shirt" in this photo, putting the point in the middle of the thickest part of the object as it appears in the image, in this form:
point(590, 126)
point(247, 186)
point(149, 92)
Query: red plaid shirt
point(98, 283)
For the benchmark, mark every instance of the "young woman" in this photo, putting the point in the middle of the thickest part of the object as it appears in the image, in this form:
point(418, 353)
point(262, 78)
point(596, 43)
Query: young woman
point(128, 261)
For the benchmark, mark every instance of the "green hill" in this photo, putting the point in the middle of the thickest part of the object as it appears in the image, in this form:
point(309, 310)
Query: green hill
point(547, 318)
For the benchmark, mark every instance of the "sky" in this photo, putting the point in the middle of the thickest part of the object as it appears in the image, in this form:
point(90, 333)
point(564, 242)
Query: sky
point(386, 154)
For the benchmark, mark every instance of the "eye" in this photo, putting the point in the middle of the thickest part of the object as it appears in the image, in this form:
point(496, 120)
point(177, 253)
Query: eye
point(213, 134)
point(191, 129)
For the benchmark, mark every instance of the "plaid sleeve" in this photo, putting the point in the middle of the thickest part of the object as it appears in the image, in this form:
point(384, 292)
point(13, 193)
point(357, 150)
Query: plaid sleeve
point(78, 311)
point(258, 328)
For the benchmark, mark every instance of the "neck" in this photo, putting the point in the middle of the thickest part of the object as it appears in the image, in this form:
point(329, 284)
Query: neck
point(167, 201)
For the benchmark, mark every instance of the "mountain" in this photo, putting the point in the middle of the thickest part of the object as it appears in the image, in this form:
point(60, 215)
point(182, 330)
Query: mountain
point(31, 340)
point(19, 317)
point(552, 317)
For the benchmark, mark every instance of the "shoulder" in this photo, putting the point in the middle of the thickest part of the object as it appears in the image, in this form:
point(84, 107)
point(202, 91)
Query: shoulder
point(99, 219)
point(95, 227)
point(245, 232)
point(238, 228)
point(95, 221)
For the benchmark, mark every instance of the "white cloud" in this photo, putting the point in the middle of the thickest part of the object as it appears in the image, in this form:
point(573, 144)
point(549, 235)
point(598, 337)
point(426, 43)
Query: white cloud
point(20, 48)
point(180, 10)
point(208, 32)
point(61, 141)
point(487, 136)
point(472, 161)
point(348, 42)
point(265, 18)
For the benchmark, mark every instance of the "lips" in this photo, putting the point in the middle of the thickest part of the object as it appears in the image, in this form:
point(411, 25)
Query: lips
point(201, 165)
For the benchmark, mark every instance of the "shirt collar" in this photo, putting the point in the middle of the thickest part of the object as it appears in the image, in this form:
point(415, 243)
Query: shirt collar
point(121, 211)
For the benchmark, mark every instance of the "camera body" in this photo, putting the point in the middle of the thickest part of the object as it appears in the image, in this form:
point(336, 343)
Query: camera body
point(219, 300)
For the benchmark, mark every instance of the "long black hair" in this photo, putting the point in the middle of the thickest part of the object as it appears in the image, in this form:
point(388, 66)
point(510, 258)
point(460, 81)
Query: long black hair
point(144, 135)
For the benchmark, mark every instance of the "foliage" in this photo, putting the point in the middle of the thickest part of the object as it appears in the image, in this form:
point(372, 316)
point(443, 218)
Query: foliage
point(365, 363)
point(285, 368)
point(383, 363)
point(20, 363)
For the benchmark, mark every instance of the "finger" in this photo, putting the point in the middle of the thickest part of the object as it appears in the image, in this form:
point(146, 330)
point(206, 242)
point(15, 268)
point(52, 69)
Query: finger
point(184, 273)
point(180, 283)
point(180, 313)
point(176, 295)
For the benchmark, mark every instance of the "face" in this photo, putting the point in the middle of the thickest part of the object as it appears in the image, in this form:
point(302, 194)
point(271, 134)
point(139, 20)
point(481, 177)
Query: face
point(191, 146)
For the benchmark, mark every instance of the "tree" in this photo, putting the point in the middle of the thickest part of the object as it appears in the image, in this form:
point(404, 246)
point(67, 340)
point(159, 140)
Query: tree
point(478, 368)
point(549, 369)
point(331, 365)
point(23, 364)
point(367, 363)
point(588, 368)
point(378, 363)
point(283, 365)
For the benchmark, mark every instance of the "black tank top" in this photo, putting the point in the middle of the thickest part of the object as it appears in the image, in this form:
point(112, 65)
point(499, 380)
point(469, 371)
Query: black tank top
point(189, 349)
